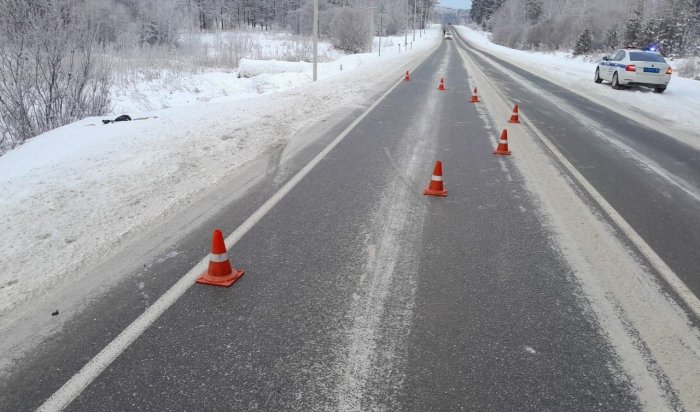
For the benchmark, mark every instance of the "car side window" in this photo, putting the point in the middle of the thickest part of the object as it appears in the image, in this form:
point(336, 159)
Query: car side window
point(619, 55)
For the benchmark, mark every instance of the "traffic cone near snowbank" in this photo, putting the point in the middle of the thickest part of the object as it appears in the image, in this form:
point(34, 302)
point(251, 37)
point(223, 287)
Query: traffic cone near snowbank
point(436, 188)
point(407, 77)
point(442, 84)
point(474, 98)
point(502, 148)
point(220, 272)
point(514, 117)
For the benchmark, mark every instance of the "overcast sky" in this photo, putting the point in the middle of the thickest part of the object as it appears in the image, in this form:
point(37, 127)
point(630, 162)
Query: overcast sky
point(456, 4)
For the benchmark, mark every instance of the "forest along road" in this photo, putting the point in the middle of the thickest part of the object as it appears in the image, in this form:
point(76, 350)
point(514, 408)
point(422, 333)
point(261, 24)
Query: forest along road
point(361, 293)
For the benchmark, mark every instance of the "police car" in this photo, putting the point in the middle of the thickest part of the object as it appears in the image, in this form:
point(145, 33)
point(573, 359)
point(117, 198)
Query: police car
point(634, 67)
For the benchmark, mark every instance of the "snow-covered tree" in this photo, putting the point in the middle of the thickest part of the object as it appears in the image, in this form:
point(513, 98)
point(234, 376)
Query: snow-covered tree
point(678, 26)
point(649, 32)
point(584, 42)
point(633, 26)
point(533, 10)
point(350, 29)
point(675, 24)
point(612, 38)
point(50, 67)
point(482, 10)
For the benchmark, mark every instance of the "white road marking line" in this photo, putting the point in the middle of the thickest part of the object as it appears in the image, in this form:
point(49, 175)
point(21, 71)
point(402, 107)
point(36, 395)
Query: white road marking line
point(76, 384)
point(690, 300)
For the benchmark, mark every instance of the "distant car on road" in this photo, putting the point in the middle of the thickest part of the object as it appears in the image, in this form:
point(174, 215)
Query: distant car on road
point(448, 36)
point(634, 67)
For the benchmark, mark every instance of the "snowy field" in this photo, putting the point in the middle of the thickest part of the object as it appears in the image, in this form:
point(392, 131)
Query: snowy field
point(676, 111)
point(76, 195)
point(208, 67)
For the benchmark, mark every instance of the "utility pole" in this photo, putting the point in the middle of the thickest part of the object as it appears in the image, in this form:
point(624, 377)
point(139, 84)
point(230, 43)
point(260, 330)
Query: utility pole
point(371, 26)
point(422, 19)
point(381, 22)
point(405, 31)
point(415, 4)
point(315, 25)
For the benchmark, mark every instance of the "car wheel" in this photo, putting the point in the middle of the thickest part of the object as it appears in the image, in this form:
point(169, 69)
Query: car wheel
point(659, 89)
point(615, 83)
point(597, 78)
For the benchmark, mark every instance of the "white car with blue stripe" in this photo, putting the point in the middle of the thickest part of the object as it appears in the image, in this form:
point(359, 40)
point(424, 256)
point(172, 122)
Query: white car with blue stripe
point(634, 67)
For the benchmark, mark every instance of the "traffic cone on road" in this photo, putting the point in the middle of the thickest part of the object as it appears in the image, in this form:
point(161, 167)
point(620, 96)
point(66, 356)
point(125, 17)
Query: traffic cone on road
point(474, 98)
point(220, 272)
point(435, 188)
point(514, 117)
point(442, 84)
point(502, 148)
point(407, 77)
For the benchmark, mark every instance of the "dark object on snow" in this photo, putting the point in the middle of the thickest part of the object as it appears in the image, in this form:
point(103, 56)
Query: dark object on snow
point(122, 118)
point(55, 312)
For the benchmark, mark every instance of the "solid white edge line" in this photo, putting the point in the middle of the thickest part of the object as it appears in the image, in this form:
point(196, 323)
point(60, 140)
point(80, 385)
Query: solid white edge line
point(76, 384)
point(690, 300)
point(686, 296)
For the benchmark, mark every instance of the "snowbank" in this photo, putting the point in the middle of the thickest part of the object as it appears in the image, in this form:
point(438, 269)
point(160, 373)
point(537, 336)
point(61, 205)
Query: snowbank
point(250, 68)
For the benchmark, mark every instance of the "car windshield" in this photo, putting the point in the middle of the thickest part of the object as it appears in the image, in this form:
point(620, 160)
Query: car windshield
point(646, 57)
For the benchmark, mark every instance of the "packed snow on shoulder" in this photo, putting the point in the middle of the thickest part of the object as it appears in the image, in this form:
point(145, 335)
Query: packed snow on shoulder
point(73, 196)
point(676, 109)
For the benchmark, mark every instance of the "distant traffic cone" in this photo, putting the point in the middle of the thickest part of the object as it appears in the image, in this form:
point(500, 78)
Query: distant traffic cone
point(407, 77)
point(502, 148)
point(514, 117)
point(442, 84)
point(474, 98)
point(220, 272)
point(436, 188)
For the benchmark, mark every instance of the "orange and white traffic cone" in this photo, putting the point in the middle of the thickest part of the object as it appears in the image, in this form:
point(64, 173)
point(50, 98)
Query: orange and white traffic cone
point(220, 272)
point(474, 98)
point(407, 77)
point(502, 148)
point(441, 86)
point(514, 117)
point(436, 188)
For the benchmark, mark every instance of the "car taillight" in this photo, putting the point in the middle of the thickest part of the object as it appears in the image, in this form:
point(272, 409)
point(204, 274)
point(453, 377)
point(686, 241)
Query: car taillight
point(669, 70)
point(631, 68)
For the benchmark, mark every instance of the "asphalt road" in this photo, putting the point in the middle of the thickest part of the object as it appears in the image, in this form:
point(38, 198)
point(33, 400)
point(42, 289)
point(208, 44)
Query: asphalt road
point(650, 178)
point(361, 293)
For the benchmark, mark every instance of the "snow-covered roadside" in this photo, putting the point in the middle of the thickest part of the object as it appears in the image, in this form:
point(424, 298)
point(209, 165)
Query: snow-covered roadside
point(79, 193)
point(678, 109)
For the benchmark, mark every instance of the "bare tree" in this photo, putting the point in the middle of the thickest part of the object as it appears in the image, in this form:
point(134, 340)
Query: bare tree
point(50, 70)
point(350, 29)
